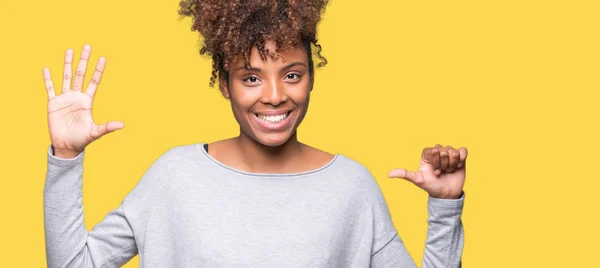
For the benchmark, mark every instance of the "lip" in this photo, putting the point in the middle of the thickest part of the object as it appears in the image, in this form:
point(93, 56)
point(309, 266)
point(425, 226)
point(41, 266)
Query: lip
point(272, 112)
point(281, 125)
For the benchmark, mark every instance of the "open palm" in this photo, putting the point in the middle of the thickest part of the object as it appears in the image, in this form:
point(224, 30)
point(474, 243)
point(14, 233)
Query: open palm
point(70, 119)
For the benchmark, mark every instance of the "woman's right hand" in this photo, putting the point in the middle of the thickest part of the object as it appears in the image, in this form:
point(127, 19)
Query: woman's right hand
point(70, 120)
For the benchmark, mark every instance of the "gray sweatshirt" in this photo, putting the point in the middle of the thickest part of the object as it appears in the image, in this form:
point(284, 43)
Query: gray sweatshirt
point(189, 210)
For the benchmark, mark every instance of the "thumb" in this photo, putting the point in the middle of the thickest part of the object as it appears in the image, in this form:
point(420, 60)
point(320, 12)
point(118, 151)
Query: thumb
point(404, 174)
point(101, 130)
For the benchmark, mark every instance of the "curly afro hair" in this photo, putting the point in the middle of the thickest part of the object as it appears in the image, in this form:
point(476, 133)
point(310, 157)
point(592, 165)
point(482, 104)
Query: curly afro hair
point(232, 27)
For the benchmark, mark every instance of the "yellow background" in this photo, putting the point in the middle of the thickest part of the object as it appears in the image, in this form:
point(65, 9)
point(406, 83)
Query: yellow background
point(516, 82)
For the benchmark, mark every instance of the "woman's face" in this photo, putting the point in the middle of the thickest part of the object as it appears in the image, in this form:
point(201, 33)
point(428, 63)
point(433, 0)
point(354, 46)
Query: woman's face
point(270, 100)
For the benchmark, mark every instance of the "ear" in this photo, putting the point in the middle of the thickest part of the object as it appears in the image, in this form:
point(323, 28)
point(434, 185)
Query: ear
point(224, 85)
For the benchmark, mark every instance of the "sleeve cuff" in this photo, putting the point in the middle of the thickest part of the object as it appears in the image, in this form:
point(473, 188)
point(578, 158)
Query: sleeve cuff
point(447, 203)
point(57, 161)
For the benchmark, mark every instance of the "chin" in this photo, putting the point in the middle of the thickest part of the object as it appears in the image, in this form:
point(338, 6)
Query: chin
point(272, 139)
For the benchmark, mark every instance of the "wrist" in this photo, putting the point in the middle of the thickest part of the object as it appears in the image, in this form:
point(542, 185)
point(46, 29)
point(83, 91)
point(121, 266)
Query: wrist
point(64, 153)
point(448, 196)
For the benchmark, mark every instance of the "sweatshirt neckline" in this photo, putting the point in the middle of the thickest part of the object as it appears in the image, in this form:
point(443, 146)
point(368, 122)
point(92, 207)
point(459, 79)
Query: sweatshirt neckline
point(200, 147)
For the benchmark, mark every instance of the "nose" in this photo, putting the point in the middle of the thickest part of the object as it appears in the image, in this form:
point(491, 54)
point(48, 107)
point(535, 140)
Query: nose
point(274, 93)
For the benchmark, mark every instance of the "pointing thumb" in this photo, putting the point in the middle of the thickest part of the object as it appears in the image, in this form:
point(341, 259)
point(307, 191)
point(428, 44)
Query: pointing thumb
point(403, 174)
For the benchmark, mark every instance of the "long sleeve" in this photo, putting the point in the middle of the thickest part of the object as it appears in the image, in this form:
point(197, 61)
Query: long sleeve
point(111, 242)
point(445, 239)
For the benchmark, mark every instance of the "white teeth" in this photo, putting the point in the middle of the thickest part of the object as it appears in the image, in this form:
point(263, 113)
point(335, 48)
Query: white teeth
point(273, 118)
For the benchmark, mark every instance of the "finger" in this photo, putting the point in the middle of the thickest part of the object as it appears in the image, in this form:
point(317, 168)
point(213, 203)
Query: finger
point(81, 67)
point(453, 157)
point(435, 154)
point(405, 174)
point(443, 158)
point(48, 83)
point(427, 157)
point(96, 77)
point(101, 130)
point(68, 70)
point(463, 156)
point(432, 157)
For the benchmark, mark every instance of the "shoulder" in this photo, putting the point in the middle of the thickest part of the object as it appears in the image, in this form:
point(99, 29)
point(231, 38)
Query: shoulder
point(175, 159)
point(372, 195)
point(171, 164)
point(168, 165)
point(352, 167)
point(179, 154)
point(368, 196)
point(358, 174)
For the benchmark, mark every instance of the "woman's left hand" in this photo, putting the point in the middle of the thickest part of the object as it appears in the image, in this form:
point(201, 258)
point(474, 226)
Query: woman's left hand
point(441, 172)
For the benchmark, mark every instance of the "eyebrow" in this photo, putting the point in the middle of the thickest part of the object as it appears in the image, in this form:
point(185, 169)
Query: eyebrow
point(287, 67)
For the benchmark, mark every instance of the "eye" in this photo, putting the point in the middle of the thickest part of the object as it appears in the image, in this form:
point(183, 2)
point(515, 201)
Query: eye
point(251, 79)
point(292, 76)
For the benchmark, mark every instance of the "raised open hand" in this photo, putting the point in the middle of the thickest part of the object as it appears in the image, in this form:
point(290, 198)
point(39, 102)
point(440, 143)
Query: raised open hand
point(70, 114)
point(441, 172)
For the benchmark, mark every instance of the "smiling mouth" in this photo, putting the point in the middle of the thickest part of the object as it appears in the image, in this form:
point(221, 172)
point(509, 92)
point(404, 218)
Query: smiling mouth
point(273, 119)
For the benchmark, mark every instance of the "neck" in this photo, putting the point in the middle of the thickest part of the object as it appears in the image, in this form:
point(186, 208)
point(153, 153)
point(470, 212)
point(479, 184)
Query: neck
point(268, 159)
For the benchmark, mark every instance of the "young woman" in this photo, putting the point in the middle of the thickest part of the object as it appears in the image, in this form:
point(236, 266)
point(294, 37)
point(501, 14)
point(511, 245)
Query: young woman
point(261, 199)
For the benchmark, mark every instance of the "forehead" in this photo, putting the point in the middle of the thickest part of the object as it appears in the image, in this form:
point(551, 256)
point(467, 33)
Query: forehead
point(283, 57)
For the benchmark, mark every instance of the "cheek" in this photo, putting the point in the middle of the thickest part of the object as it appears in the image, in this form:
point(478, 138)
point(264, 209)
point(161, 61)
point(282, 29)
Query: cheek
point(241, 106)
point(244, 98)
point(241, 115)
point(300, 92)
point(301, 97)
point(240, 109)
